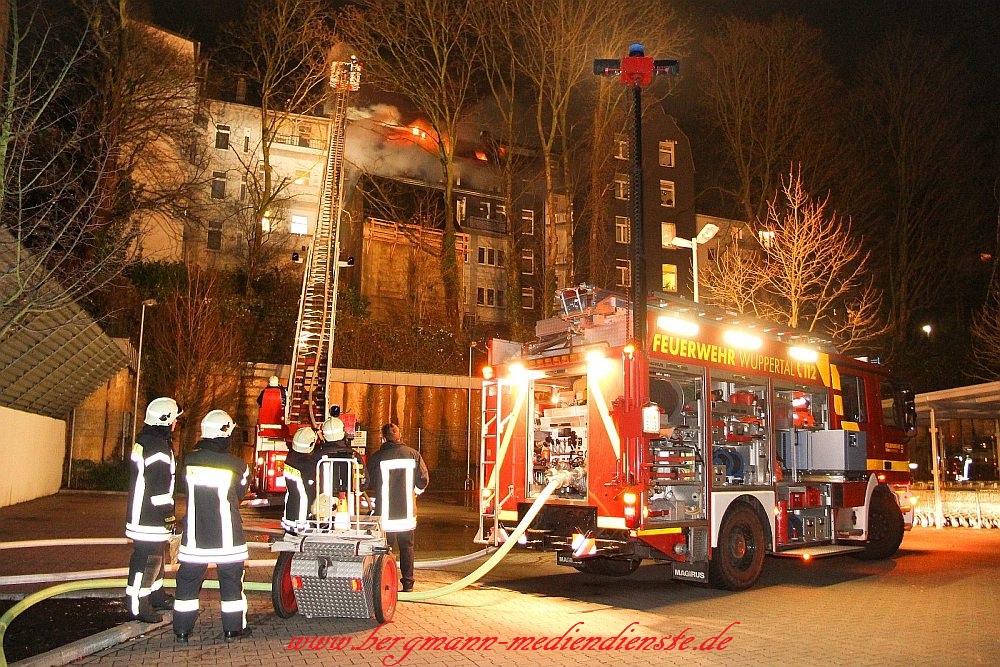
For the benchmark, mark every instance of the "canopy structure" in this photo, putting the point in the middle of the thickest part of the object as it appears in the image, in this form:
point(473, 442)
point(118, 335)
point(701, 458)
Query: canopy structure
point(52, 358)
point(978, 401)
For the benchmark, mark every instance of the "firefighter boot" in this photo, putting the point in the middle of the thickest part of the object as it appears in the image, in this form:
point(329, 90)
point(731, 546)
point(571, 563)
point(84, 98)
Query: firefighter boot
point(146, 612)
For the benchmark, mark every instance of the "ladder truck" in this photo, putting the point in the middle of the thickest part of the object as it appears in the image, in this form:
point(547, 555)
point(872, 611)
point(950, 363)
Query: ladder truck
point(306, 400)
point(718, 441)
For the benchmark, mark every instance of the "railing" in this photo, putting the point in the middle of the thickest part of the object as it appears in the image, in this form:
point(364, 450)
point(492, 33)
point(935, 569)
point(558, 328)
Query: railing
point(497, 226)
point(298, 140)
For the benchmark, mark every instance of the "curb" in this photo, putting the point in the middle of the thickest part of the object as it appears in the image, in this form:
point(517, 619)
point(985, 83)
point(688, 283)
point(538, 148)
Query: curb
point(82, 648)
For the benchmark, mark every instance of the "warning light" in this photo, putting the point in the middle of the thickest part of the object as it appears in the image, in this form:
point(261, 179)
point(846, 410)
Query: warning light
point(881, 477)
point(806, 557)
point(629, 350)
point(487, 372)
point(356, 585)
point(296, 582)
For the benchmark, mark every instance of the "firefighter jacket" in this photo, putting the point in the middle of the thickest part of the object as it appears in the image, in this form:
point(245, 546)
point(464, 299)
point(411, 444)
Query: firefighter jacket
point(216, 481)
point(341, 449)
point(150, 512)
point(300, 488)
point(396, 473)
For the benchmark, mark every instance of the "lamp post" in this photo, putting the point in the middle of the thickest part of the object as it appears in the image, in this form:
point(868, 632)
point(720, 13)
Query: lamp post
point(468, 424)
point(138, 366)
point(706, 234)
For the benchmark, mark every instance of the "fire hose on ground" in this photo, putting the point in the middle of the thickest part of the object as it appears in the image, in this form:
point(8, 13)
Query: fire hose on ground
point(414, 596)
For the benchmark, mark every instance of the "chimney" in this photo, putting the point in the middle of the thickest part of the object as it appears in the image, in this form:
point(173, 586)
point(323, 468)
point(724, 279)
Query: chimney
point(241, 89)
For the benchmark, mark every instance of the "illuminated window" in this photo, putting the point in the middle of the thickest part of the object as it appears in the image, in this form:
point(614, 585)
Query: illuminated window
point(668, 280)
point(667, 153)
point(622, 234)
point(623, 271)
point(766, 237)
point(222, 137)
point(621, 148)
point(528, 298)
point(667, 195)
point(218, 185)
point(668, 232)
point(527, 222)
point(621, 186)
point(299, 225)
point(527, 262)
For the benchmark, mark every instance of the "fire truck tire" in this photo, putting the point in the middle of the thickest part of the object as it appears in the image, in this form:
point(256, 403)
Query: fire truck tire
point(608, 567)
point(739, 559)
point(385, 588)
point(282, 595)
point(885, 526)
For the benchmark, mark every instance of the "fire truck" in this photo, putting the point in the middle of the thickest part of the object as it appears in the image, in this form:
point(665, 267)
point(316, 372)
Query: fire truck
point(304, 403)
point(720, 440)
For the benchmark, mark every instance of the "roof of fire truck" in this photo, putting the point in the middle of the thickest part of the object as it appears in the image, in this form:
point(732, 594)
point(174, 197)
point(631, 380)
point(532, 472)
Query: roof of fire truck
point(589, 315)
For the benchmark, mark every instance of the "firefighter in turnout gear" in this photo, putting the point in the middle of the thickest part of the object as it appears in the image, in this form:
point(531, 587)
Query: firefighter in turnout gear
point(150, 512)
point(335, 445)
point(396, 475)
point(213, 530)
point(300, 480)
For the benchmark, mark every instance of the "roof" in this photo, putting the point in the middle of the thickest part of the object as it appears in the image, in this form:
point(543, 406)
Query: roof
point(52, 359)
point(978, 401)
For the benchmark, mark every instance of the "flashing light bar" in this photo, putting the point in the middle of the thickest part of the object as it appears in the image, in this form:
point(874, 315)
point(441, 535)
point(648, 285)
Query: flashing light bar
point(804, 354)
point(742, 339)
point(677, 326)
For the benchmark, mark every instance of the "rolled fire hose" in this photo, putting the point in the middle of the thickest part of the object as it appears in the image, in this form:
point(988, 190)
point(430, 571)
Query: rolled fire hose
point(7, 618)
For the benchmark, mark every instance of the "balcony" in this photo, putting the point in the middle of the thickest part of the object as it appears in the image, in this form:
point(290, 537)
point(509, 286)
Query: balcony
point(299, 141)
point(494, 225)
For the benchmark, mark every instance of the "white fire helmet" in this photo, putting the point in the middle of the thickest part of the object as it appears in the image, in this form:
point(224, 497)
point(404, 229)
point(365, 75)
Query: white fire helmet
point(217, 424)
point(162, 411)
point(304, 440)
point(333, 430)
point(273, 381)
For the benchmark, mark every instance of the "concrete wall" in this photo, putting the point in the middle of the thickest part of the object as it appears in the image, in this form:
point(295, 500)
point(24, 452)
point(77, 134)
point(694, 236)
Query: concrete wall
point(29, 444)
point(103, 425)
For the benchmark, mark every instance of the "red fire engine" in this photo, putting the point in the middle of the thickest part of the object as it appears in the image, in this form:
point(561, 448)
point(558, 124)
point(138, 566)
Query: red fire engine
point(724, 440)
point(306, 403)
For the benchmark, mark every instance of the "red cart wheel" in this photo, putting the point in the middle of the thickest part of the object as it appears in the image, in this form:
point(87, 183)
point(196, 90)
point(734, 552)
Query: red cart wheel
point(282, 595)
point(385, 591)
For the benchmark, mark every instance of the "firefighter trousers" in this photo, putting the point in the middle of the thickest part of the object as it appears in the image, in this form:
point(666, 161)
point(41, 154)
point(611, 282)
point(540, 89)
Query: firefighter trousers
point(145, 575)
point(190, 577)
point(404, 543)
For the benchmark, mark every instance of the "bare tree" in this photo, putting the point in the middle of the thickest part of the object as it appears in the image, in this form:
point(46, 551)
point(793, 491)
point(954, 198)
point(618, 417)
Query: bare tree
point(773, 100)
point(424, 49)
point(197, 360)
point(282, 49)
point(805, 269)
point(916, 171)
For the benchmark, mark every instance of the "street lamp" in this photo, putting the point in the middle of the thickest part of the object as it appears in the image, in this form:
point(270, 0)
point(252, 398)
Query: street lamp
point(468, 423)
point(706, 234)
point(138, 366)
point(927, 329)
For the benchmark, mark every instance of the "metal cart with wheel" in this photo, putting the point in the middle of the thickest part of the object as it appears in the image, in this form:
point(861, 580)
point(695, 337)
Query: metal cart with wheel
point(337, 564)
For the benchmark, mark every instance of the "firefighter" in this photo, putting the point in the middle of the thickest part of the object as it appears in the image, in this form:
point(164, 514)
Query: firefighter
point(150, 513)
point(396, 474)
point(300, 480)
point(213, 529)
point(335, 445)
point(273, 385)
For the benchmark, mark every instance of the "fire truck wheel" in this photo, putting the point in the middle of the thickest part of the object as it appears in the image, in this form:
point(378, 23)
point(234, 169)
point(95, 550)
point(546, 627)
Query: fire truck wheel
point(739, 559)
point(385, 588)
point(885, 526)
point(608, 567)
point(282, 595)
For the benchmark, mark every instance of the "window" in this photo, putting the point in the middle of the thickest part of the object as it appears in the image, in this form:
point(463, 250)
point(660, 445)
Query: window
point(621, 148)
point(222, 137)
point(218, 185)
point(667, 153)
point(623, 271)
point(668, 277)
point(460, 210)
point(487, 296)
point(490, 256)
point(301, 177)
point(484, 210)
point(299, 225)
point(621, 186)
point(622, 229)
point(243, 188)
point(214, 235)
point(890, 406)
point(502, 212)
point(246, 140)
point(667, 194)
point(668, 232)
point(527, 222)
point(527, 262)
point(528, 298)
point(766, 237)
point(853, 390)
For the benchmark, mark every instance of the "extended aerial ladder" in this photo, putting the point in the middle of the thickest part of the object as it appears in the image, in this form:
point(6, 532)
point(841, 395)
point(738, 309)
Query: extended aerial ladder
point(312, 356)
